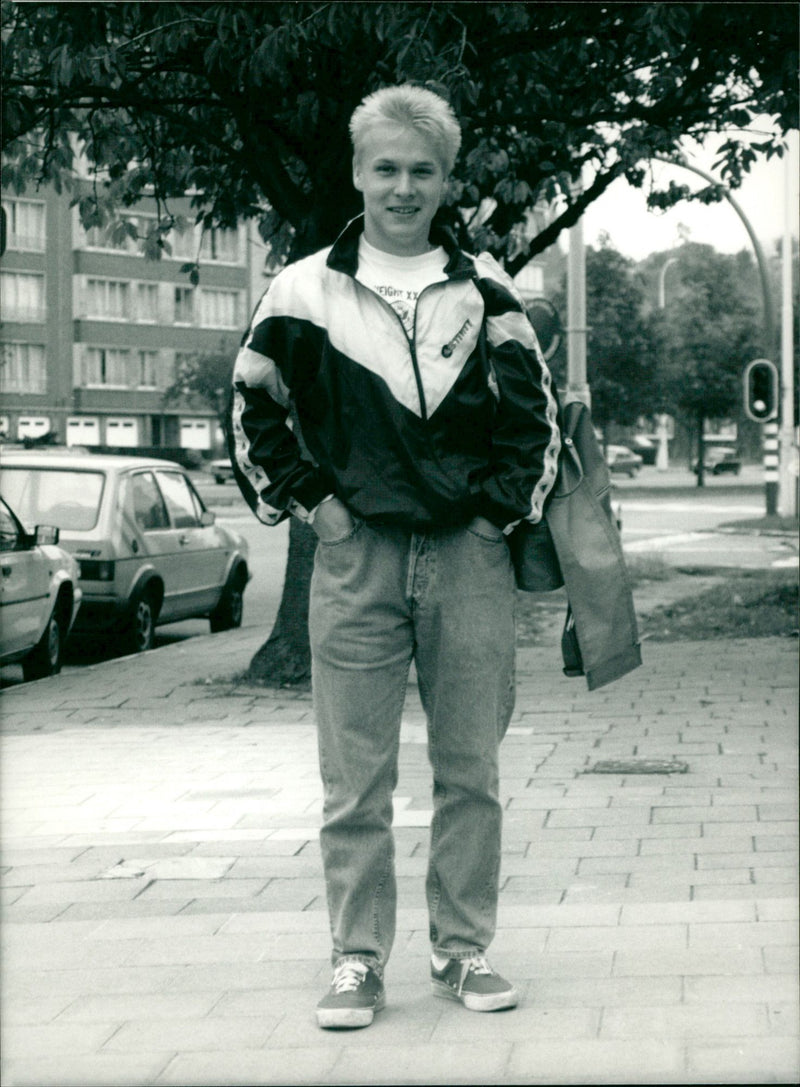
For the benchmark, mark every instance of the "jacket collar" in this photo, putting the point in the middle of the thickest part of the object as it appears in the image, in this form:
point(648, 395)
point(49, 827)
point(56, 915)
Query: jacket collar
point(343, 256)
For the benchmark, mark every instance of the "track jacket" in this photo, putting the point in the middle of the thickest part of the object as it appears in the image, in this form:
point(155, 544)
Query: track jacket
point(405, 431)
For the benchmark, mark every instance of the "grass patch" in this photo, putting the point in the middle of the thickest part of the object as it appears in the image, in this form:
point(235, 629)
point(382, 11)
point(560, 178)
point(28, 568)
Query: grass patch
point(644, 568)
point(748, 604)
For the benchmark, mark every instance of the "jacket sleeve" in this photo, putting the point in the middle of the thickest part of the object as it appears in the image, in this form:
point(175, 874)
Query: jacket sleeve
point(274, 475)
point(526, 437)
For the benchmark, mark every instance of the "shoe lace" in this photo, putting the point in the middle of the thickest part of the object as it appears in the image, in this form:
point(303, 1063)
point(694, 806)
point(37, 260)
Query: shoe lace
point(347, 976)
point(478, 964)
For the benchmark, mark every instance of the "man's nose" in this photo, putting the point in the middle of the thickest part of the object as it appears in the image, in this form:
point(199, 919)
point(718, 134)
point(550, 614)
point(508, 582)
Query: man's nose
point(404, 183)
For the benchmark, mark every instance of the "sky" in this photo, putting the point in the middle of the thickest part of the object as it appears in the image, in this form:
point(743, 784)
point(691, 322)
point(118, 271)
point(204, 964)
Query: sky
point(636, 232)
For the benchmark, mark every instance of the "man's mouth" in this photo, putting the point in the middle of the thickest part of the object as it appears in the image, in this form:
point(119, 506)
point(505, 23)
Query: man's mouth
point(403, 210)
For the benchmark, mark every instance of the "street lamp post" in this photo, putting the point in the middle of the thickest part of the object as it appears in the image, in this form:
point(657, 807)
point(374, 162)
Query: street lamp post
point(769, 317)
point(662, 301)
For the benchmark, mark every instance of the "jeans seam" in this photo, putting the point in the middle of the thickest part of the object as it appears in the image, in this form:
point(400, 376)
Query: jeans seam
point(488, 539)
point(357, 526)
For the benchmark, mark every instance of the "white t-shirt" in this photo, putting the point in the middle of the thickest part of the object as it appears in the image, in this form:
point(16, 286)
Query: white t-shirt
point(399, 280)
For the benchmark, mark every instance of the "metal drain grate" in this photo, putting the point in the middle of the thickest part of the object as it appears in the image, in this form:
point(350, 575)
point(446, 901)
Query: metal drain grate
point(639, 766)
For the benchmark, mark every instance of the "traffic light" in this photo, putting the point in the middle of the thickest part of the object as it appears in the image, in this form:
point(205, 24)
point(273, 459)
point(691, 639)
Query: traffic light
point(761, 390)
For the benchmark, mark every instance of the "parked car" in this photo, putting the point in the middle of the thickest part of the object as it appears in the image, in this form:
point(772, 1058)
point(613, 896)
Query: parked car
point(646, 447)
point(717, 459)
point(39, 597)
point(221, 470)
point(149, 551)
point(622, 460)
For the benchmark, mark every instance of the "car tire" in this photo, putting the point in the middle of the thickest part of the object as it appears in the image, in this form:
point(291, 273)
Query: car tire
point(45, 658)
point(229, 611)
point(140, 629)
point(219, 479)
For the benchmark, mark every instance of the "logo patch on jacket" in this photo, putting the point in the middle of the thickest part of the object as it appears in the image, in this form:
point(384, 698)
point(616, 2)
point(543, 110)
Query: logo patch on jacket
point(449, 348)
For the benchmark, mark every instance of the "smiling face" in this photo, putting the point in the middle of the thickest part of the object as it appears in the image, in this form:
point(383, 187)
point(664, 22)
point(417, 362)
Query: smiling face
point(400, 176)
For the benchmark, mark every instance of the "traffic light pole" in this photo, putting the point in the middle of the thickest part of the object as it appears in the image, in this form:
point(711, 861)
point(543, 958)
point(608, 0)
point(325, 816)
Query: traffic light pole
point(771, 468)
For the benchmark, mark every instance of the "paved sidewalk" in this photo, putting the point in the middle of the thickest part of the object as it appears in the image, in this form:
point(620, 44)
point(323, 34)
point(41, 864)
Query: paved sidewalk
point(164, 917)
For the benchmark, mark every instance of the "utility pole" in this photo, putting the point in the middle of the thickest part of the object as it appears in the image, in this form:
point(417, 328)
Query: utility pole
point(788, 480)
point(577, 385)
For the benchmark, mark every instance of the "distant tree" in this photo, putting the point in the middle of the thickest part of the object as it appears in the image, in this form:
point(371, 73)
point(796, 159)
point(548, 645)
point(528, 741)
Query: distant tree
point(620, 358)
point(204, 378)
point(245, 105)
point(710, 328)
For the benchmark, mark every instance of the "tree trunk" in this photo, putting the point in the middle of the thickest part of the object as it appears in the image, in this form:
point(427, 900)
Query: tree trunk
point(284, 660)
point(701, 449)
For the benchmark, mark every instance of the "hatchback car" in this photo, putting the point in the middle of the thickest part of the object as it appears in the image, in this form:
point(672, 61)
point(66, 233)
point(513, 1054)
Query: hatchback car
point(149, 551)
point(646, 447)
point(39, 596)
point(719, 460)
point(622, 460)
point(221, 470)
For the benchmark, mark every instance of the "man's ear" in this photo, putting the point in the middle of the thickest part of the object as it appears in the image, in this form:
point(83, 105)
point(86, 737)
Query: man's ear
point(358, 181)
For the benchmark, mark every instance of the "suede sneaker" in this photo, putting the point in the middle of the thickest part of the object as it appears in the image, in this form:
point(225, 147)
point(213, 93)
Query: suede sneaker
point(473, 983)
point(356, 993)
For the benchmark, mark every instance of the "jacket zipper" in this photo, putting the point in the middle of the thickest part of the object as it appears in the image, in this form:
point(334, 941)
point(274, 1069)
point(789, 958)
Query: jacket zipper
point(410, 340)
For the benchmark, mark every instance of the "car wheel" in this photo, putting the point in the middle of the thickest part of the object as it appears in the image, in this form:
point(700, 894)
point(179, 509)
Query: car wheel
point(45, 658)
point(140, 629)
point(219, 479)
point(229, 611)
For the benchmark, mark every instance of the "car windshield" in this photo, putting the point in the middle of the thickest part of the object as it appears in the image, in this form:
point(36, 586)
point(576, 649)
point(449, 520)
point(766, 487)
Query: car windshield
point(67, 498)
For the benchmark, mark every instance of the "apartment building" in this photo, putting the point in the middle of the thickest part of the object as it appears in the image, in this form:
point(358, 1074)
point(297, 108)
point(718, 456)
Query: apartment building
point(93, 333)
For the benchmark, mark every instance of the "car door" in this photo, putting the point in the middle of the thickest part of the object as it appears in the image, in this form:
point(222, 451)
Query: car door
point(203, 555)
point(25, 592)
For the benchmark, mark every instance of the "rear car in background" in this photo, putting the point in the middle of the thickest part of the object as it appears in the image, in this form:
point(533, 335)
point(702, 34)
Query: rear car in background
point(646, 447)
point(221, 470)
point(149, 551)
point(622, 461)
point(720, 460)
point(39, 596)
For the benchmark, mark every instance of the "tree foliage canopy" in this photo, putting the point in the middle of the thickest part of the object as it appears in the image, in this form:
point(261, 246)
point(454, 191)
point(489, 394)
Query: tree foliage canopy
point(246, 104)
point(709, 330)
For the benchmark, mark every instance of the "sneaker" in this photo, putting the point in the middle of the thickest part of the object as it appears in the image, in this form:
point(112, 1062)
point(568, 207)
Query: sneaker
point(356, 993)
point(473, 983)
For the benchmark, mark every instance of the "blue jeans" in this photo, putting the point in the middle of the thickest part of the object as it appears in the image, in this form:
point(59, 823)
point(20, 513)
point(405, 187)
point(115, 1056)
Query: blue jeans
point(381, 597)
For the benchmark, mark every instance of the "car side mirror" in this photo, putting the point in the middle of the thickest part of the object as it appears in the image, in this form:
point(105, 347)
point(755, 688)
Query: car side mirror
point(207, 518)
point(45, 534)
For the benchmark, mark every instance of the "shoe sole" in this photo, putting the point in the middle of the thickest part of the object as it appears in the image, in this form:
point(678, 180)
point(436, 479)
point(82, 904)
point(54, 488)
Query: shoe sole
point(476, 1002)
point(348, 1018)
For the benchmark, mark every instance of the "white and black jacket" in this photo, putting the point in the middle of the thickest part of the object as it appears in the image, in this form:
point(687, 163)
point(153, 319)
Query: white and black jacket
point(404, 430)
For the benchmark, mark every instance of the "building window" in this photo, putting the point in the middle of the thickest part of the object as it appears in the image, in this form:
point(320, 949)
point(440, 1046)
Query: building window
point(23, 368)
point(184, 306)
point(108, 299)
point(23, 296)
point(116, 239)
point(147, 369)
point(219, 309)
point(105, 366)
point(147, 303)
point(221, 246)
point(25, 225)
point(183, 243)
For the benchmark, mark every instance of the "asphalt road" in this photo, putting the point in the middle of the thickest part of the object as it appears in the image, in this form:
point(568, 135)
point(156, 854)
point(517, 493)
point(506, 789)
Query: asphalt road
point(663, 514)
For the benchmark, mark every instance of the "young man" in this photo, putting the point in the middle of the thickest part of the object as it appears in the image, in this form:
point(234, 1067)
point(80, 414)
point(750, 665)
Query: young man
point(423, 454)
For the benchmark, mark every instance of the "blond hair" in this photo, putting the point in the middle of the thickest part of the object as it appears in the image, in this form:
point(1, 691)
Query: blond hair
point(414, 107)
